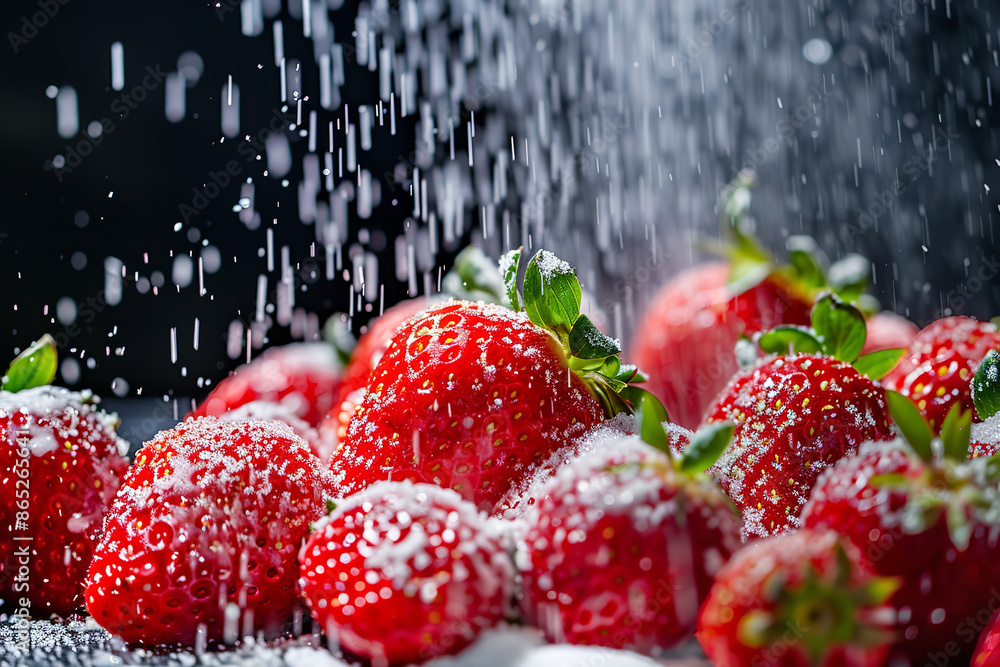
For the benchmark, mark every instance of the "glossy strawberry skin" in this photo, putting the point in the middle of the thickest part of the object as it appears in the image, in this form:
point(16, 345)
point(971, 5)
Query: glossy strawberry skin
point(211, 514)
point(620, 549)
point(941, 586)
point(988, 647)
point(75, 463)
point(467, 396)
point(939, 365)
point(745, 585)
point(403, 572)
point(795, 416)
point(303, 376)
point(366, 355)
point(685, 341)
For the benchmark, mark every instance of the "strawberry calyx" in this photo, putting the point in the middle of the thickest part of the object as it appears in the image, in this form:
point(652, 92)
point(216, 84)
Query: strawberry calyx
point(948, 483)
point(706, 445)
point(808, 271)
point(820, 613)
point(550, 296)
point(838, 330)
point(986, 386)
point(34, 367)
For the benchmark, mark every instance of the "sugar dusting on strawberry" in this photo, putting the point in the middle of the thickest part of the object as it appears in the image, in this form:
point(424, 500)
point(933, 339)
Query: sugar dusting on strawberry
point(74, 468)
point(202, 537)
point(796, 416)
point(620, 549)
point(403, 572)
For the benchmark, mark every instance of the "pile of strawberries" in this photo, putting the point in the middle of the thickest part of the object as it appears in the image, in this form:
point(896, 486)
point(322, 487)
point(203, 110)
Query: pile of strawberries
point(829, 495)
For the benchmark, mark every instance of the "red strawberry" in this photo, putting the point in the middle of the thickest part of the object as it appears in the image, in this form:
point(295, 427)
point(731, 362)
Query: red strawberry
point(988, 648)
point(319, 444)
point(202, 538)
point(304, 376)
point(805, 598)
point(473, 396)
point(795, 416)
point(930, 521)
point(687, 335)
point(403, 572)
point(72, 465)
point(939, 364)
point(369, 350)
point(621, 548)
point(526, 492)
point(60, 465)
point(887, 331)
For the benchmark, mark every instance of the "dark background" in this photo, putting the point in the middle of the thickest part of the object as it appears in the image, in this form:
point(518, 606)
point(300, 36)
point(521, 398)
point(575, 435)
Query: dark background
point(898, 70)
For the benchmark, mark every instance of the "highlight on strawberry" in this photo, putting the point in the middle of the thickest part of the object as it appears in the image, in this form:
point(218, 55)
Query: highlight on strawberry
point(61, 463)
point(472, 396)
point(799, 412)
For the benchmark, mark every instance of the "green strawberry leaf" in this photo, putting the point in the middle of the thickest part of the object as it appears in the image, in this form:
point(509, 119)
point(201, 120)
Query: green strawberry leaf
point(34, 367)
point(475, 278)
point(986, 386)
point(552, 293)
point(840, 326)
point(508, 270)
point(649, 417)
point(630, 373)
point(910, 423)
point(848, 276)
point(339, 336)
point(330, 506)
point(587, 342)
point(807, 261)
point(877, 364)
point(707, 445)
point(783, 338)
point(956, 433)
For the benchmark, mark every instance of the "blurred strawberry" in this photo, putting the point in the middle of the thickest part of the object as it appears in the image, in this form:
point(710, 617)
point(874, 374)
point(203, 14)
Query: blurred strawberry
point(988, 647)
point(805, 598)
point(61, 463)
point(887, 330)
point(320, 445)
point(303, 376)
point(925, 515)
point(402, 572)
point(201, 542)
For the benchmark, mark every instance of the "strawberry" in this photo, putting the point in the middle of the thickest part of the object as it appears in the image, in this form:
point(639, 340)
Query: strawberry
point(887, 331)
point(304, 376)
point(473, 278)
point(622, 544)
point(319, 444)
point(685, 340)
point(798, 414)
point(804, 598)
point(472, 396)
point(201, 541)
point(61, 463)
point(688, 334)
point(988, 647)
point(402, 572)
point(938, 366)
point(366, 354)
point(927, 516)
